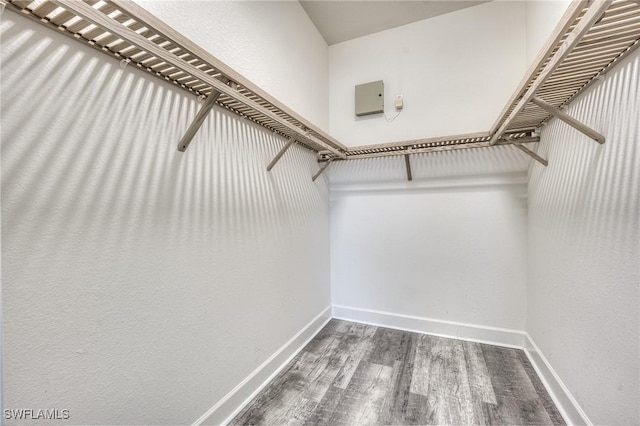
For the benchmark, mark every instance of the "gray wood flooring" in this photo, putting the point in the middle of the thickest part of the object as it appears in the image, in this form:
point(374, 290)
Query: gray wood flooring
point(356, 374)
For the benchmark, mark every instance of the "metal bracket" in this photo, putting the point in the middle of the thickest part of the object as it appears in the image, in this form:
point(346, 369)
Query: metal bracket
point(594, 12)
point(407, 163)
point(3, 3)
point(94, 16)
point(280, 154)
point(322, 169)
point(556, 112)
point(197, 122)
point(530, 153)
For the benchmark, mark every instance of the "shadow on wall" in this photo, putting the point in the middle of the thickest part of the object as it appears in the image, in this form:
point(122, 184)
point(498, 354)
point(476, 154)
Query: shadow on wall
point(596, 189)
point(141, 284)
point(99, 152)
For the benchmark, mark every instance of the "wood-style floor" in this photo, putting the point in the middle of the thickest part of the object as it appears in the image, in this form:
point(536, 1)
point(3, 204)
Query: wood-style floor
point(356, 374)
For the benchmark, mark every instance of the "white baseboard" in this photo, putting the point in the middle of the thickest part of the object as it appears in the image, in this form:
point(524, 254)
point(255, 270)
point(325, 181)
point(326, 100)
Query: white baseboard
point(231, 404)
point(457, 330)
point(571, 411)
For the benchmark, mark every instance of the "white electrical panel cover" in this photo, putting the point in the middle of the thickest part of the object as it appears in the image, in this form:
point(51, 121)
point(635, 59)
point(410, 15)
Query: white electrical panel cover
point(370, 98)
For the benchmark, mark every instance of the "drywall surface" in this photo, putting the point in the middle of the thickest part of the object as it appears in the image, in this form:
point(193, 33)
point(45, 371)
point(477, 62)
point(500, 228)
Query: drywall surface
point(584, 240)
point(444, 248)
point(456, 72)
point(141, 284)
point(272, 43)
point(542, 16)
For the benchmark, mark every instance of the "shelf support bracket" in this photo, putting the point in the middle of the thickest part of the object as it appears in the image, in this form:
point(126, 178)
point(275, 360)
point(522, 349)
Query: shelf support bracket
point(94, 16)
point(556, 112)
point(281, 153)
point(322, 169)
point(531, 154)
point(407, 163)
point(197, 122)
point(594, 12)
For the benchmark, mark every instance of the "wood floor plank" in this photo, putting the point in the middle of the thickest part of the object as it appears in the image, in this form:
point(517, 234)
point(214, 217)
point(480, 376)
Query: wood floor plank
point(517, 400)
point(479, 382)
point(328, 359)
point(416, 379)
point(449, 390)
point(398, 408)
point(297, 387)
point(388, 346)
point(298, 413)
point(327, 406)
point(421, 366)
point(480, 416)
point(357, 348)
point(352, 338)
point(479, 379)
point(390, 397)
point(543, 395)
point(280, 392)
point(364, 397)
point(440, 374)
point(331, 331)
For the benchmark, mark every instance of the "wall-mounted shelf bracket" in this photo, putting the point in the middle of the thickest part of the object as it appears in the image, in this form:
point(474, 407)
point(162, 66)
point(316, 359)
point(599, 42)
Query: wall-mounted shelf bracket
point(151, 47)
point(322, 169)
point(591, 16)
point(531, 154)
point(197, 122)
point(281, 153)
point(556, 112)
point(407, 163)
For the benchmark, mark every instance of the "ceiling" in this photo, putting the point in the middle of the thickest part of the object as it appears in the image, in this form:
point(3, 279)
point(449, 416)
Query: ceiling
point(339, 21)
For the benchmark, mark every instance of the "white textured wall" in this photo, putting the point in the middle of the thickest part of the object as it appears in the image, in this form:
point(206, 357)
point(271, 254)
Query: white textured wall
point(456, 71)
point(584, 245)
point(451, 245)
point(141, 284)
point(272, 43)
point(542, 16)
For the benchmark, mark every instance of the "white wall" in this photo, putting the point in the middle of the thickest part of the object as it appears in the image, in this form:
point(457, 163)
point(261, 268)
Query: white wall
point(542, 16)
point(584, 241)
point(450, 246)
point(140, 284)
point(272, 43)
point(456, 71)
